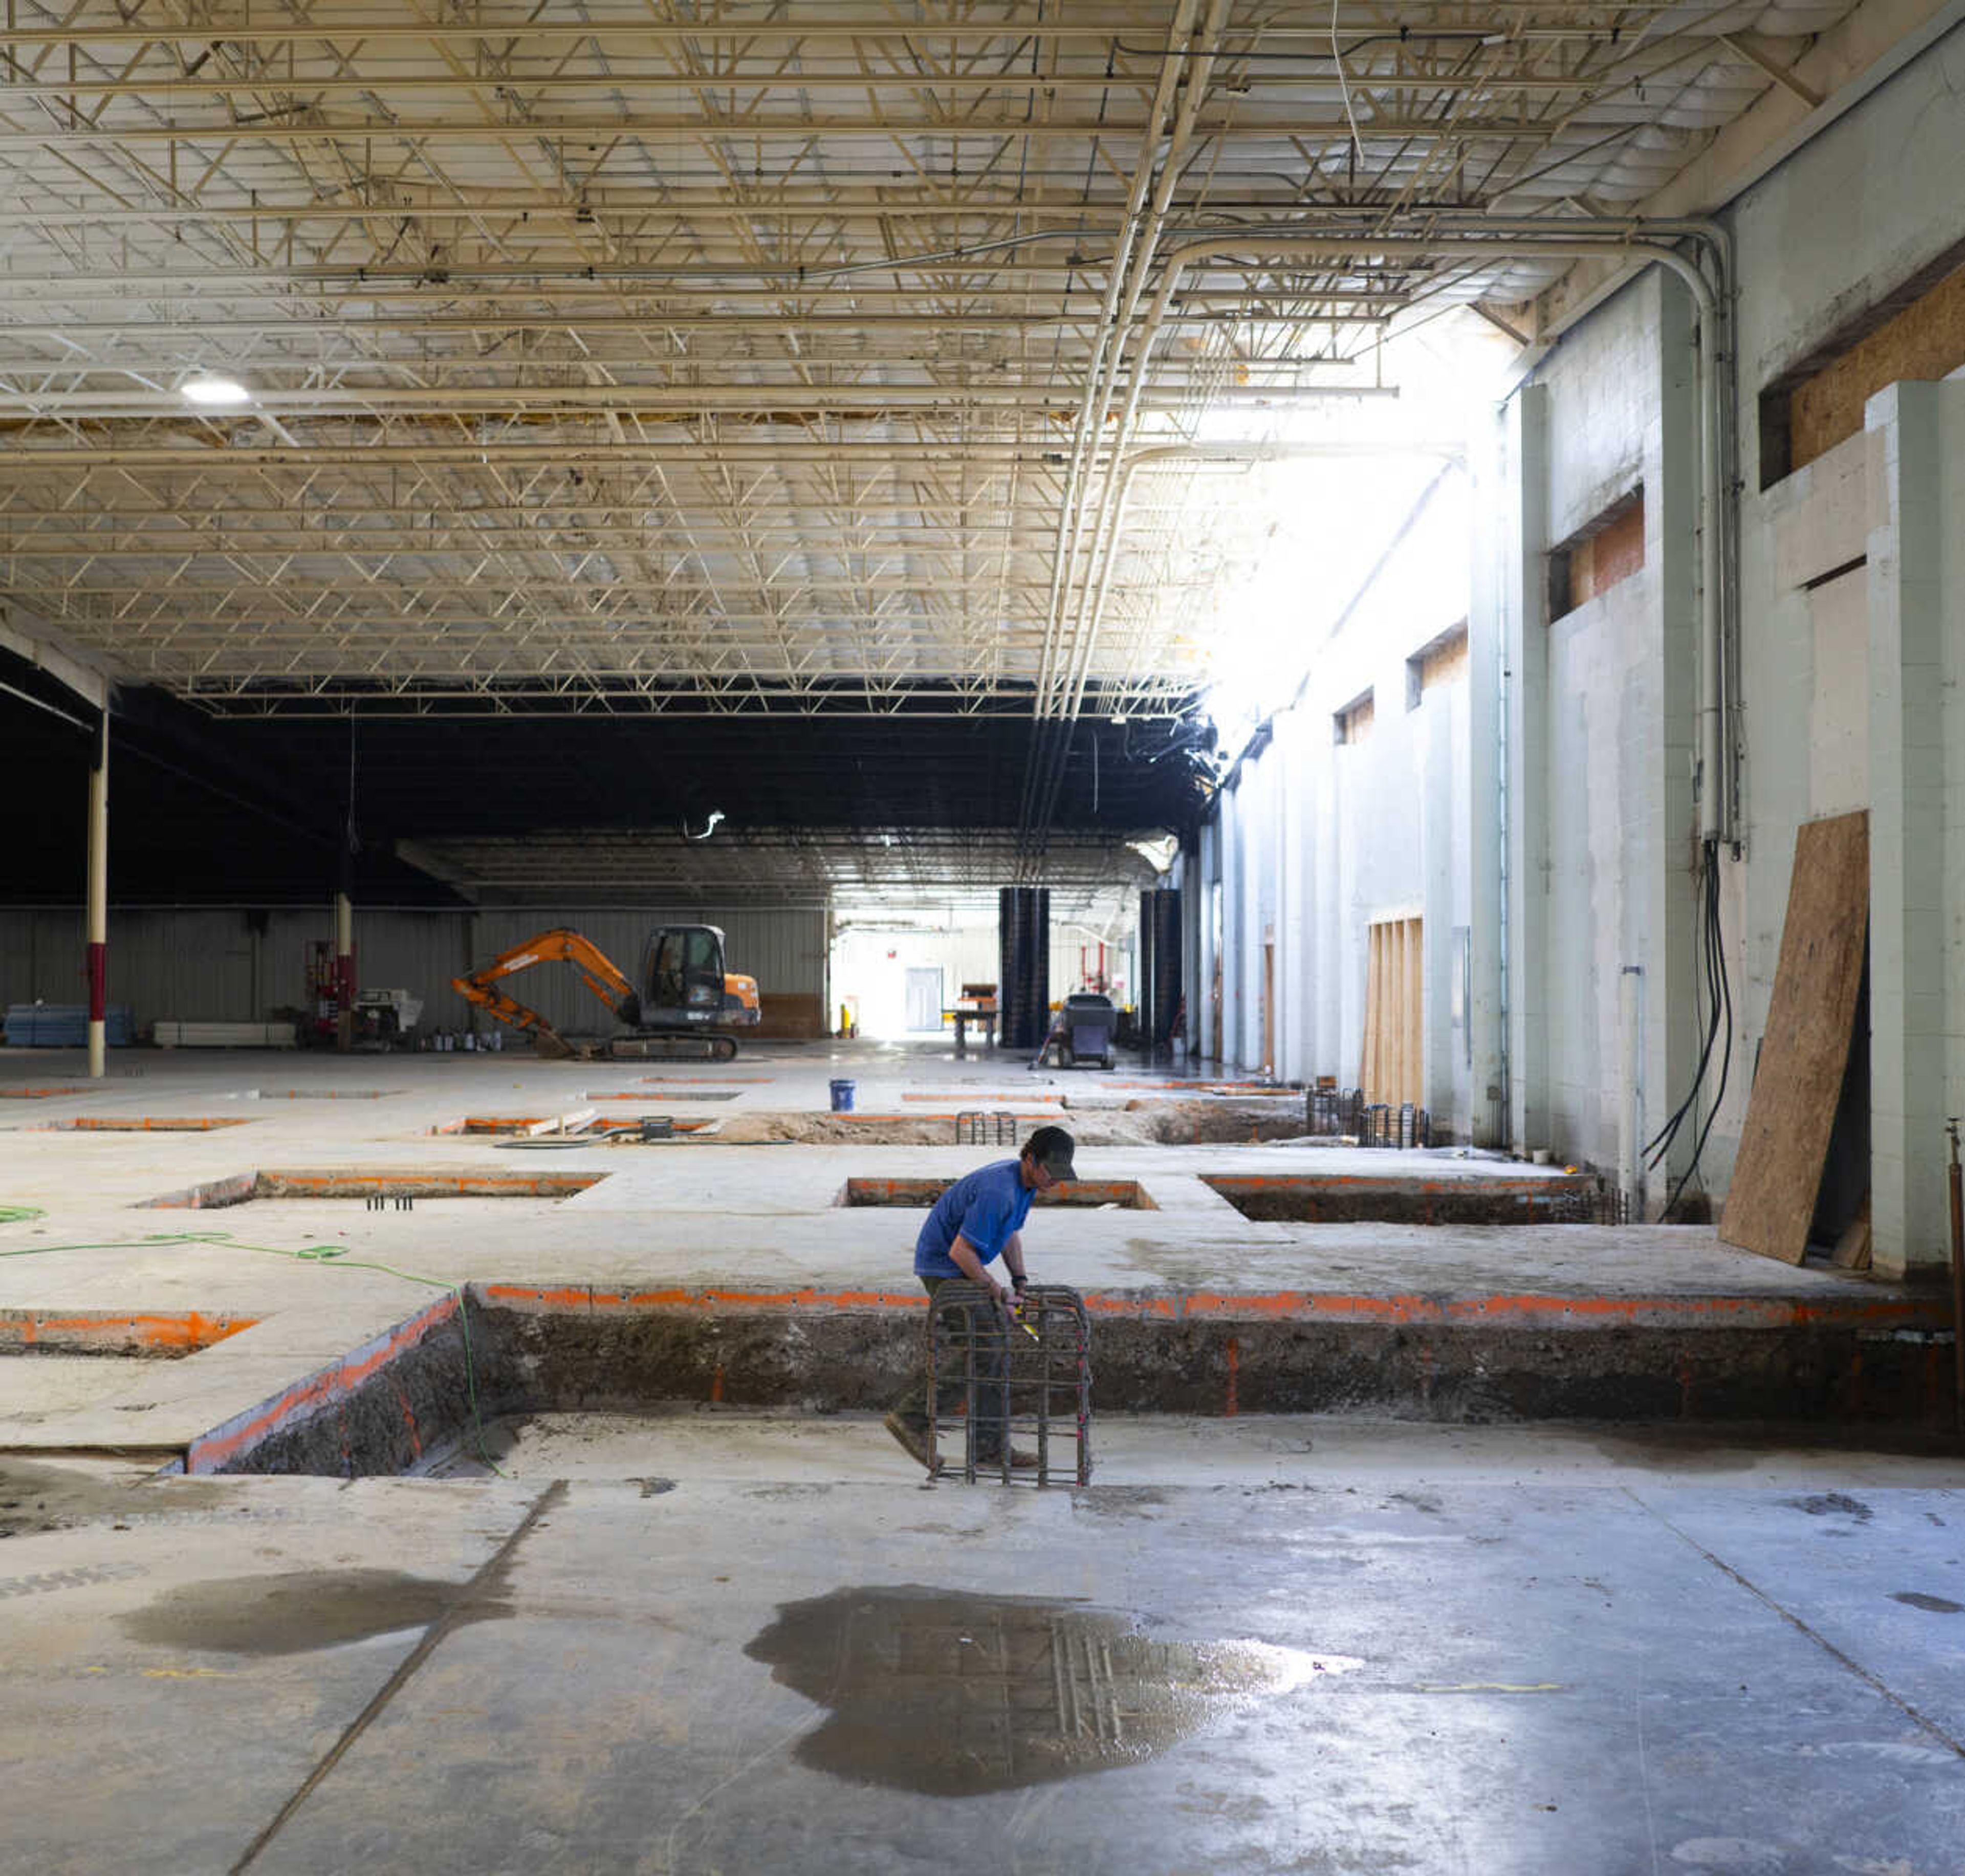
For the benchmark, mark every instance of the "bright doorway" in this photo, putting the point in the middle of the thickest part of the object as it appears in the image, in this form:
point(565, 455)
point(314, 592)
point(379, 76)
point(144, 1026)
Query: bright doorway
point(923, 998)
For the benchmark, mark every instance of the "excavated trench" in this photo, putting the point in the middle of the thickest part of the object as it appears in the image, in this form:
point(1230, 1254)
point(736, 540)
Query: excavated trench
point(1214, 1121)
point(143, 1124)
point(115, 1334)
point(1094, 1195)
point(379, 1186)
point(402, 1402)
point(1355, 1198)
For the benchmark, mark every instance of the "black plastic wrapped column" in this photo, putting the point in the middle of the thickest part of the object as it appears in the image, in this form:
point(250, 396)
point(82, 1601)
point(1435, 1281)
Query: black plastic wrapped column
point(1159, 962)
point(1023, 944)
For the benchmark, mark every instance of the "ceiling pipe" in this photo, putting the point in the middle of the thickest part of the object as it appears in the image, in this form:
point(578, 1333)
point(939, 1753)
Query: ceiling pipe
point(1117, 269)
point(668, 402)
point(1094, 30)
point(603, 132)
point(1125, 279)
point(1090, 82)
point(1716, 816)
point(1048, 749)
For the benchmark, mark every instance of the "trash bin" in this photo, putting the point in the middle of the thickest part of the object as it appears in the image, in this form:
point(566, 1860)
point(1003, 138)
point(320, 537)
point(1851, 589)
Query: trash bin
point(842, 1097)
point(1089, 1022)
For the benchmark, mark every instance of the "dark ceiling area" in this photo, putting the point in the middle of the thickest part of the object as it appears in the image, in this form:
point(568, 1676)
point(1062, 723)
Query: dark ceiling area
point(257, 810)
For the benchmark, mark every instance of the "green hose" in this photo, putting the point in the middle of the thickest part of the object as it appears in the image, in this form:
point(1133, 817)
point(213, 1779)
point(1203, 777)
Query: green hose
point(336, 1254)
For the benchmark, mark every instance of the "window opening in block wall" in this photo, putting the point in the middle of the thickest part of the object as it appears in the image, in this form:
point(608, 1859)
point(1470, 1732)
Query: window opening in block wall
point(1440, 660)
point(1353, 723)
point(1916, 332)
point(1607, 549)
point(1389, 1070)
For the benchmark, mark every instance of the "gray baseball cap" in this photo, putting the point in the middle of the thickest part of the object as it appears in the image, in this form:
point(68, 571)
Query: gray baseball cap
point(1052, 1148)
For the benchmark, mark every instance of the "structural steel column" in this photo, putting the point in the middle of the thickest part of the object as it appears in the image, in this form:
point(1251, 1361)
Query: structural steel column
point(97, 955)
point(1206, 957)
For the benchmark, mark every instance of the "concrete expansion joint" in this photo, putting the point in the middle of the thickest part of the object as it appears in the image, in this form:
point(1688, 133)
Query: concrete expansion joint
point(1922, 1721)
point(459, 1610)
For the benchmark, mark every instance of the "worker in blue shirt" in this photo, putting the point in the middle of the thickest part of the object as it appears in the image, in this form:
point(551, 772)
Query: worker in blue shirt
point(979, 1219)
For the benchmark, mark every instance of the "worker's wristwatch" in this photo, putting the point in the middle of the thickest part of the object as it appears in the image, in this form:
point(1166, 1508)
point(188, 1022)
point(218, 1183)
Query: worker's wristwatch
point(1017, 1281)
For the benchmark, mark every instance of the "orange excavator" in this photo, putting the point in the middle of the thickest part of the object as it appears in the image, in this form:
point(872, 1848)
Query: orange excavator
point(686, 1003)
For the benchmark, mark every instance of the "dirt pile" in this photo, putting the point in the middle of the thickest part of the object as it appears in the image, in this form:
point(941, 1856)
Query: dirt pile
point(1147, 1123)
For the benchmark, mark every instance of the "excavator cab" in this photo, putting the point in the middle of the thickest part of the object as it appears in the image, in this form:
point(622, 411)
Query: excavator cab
point(683, 978)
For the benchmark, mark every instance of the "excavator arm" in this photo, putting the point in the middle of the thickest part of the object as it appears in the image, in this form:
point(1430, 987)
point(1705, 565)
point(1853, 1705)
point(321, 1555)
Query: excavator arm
point(598, 971)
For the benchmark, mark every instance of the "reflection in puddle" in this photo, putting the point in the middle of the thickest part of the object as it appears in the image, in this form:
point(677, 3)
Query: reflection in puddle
point(934, 1691)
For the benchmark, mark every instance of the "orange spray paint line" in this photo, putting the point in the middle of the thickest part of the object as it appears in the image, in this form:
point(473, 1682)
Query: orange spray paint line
point(1232, 1406)
point(717, 1383)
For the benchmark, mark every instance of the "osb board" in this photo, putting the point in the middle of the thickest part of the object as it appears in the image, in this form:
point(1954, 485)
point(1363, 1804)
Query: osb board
point(1614, 552)
point(1926, 339)
point(1792, 1108)
point(1852, 1249)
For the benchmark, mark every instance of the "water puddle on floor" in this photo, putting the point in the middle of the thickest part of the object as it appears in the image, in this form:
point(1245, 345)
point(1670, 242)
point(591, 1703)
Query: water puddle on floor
point(299, 1610)
point(936, 1692)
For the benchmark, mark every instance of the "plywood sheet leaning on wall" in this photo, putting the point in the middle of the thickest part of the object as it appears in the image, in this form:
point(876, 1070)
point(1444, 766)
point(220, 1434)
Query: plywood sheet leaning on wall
point(1792, 1108)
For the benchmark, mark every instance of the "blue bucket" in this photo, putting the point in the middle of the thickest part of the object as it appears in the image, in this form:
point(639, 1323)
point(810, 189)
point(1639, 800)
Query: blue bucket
point(842, 1097)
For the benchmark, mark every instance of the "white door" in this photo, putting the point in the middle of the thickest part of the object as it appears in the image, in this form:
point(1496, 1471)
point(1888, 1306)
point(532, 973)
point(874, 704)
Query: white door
point(924, 997)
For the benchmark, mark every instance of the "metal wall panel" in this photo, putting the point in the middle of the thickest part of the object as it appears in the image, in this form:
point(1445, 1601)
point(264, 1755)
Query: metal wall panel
point(212, 964)
point(186, 965)
point(20, 979)
point(192, 965)
point(419, 952)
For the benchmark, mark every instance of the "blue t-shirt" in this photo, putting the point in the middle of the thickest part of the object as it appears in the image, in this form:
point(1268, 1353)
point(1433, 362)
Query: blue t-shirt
point(985, 1206)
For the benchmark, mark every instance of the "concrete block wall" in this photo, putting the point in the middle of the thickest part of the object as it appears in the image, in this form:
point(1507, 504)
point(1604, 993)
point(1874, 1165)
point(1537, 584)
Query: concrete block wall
point(1567, 785)
point(1599, 706)
point(1852, 619)
point(1314, 840)
point(1850, 673)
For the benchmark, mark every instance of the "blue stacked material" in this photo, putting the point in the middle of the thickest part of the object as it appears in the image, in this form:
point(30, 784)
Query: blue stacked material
point(65, 1025)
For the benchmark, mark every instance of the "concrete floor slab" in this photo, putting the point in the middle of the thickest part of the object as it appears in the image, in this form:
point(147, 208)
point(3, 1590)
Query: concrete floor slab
point(731, 1641)
point(1374, 1671)
point(731, 1220)
point(36, 1388)
point(721, 1445)
point(128, 1746)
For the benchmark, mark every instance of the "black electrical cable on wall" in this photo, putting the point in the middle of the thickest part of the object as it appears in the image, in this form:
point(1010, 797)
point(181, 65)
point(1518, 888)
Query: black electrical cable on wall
point(1718, 1029)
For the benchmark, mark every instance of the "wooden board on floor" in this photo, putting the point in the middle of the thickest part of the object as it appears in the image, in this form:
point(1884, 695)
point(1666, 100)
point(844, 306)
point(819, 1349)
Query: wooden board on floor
point(1852, 1249)
point(1791, 1108)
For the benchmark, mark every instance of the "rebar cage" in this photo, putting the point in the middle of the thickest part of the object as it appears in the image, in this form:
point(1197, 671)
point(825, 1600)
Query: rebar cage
point(979, 1127)
point(1013, 1374)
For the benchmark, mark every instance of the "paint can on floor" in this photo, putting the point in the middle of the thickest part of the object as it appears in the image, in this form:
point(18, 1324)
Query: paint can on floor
point(842, 1097)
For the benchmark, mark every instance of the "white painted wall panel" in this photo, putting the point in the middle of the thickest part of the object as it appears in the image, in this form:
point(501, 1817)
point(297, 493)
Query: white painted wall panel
point(1317, 839)
point(1602, 697)
point(1838, 711)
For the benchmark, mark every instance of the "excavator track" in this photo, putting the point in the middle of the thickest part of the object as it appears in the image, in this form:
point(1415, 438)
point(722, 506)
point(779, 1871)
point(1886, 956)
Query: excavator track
point(695, 1048)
